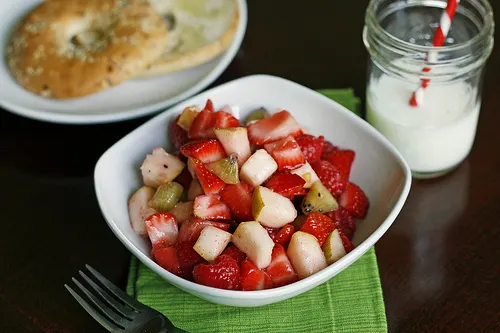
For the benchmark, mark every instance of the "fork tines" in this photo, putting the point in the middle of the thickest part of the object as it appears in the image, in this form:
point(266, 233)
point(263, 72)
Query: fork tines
point(108, 305)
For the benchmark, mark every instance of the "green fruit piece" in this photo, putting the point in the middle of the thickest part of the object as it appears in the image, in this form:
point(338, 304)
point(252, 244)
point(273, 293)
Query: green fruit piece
point(333, 248)
point(167, 196)
point(318, 199)
point(226, 169)
point(258, 114)
point(187, 117)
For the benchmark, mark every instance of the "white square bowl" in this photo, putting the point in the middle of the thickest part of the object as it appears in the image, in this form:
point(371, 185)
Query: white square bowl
point(378, 168)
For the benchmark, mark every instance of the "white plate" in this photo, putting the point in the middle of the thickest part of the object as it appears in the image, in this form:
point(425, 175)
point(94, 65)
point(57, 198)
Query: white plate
point(378, 168)
point(132, 99)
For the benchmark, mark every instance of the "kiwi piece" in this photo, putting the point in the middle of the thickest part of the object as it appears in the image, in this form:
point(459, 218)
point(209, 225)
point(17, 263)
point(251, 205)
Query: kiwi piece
point(256, 115)
point(226, 169)
point(318, 199)
point(167, 196)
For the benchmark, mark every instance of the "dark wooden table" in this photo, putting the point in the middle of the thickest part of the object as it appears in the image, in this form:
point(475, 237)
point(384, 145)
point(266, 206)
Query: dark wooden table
point(439, 262)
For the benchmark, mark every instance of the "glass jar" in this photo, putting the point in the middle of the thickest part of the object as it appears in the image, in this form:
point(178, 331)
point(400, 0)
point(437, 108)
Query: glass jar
point(437, 135)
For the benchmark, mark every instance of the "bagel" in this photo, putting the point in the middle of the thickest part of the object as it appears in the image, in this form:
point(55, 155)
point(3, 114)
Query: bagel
point(200, 30)
point(74, 48)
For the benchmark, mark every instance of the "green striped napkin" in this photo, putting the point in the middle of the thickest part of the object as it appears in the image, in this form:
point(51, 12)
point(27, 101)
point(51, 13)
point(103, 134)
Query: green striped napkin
point(350, 302)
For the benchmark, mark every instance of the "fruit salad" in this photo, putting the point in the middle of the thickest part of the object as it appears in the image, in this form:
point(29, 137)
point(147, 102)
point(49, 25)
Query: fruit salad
point(246, 204)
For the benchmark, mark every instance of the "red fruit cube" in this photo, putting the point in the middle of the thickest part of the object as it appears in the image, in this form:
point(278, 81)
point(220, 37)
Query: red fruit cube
point(342, 160)
point(210, 207)
point(188, 258)
point(238, 198)
point(166, 257)
point(235, 253)
point(318, 225)
point(223, 274)
point(191, 229)
point(178, 135)
point(285, 183)
point(286, 152)
point(162, 229)
point(311, 146)
point(206, 151)
point(278, 126)
point(332, 178)
point(252, 278)
point(280, 269)
point(355, 201)
point(343, 220)
point(210, 183)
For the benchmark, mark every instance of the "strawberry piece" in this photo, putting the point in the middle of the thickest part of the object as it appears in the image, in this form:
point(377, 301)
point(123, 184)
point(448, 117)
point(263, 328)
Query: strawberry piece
point(286, 152)
point(330, 177)
point(225, 120)
point(209, 106)
point(205, 123)
point(311, 146)
point(184, 178)
point(190, 229)
point(271, 231)
point(318, 225)
point(280, 269)
point(284, 235)
point(166, 257)
point(178, 135)
point(343, 221)
point(223, 274)
point(235, 253)
point(348, 246)
point(210, 207)
point(252, 278)
point(327, 149)
point(162, 229)
point(278, 126)
point(342, 160)
point(285, 183)
point(188, 258)
point(203, 126)
point(238, 198)
point(355, 201)
point(204, 150)
point(210, 183)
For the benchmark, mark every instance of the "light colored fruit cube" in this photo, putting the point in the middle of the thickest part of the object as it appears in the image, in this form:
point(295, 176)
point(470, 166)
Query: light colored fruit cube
point(139, 210)
point(160, 167)
point(272, 209)
point(235, 141)
point(258, 168)
point(307, 173)
point(212, 242)
point(305, 254)
point(182, 211)
point(333, 248)
point(187, 117)
point(252, 239)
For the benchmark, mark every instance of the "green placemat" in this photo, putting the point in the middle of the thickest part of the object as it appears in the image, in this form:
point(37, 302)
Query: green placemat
point(350, 302)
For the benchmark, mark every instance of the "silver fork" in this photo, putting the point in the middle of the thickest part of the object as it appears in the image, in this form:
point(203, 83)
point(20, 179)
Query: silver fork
point(115, 310)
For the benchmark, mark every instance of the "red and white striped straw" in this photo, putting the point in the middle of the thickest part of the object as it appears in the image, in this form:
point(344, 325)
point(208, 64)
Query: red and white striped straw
point(439, 38)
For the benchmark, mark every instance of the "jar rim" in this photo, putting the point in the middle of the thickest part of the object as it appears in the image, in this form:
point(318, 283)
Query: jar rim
point(486, 30)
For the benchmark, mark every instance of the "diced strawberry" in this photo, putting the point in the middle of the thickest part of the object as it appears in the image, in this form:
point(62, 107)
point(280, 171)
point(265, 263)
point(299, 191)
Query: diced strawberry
point(348, 246)
point(330, 177)
point(284, 235)
point(225, 120)
point(223, 274)
point(178, 136)
point(286, 152)
point(252, 278)
point(235, 253)
point(206, 151)
point(285, 183)
point(280, 269)
point(188, 258)
point(190, 229)
point(210, 207)
point(166, 257)
point(342, 160)
point(328, 148)
point(238, 198)
point(162, 229)
point(184, 178)
point(271, 231)
point(209, 106)
point(278, 126)
point(311, 146)
point(318, 225)
point(203, 126)
point(210, 183)
point(355, 201)
point(343, 220)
